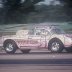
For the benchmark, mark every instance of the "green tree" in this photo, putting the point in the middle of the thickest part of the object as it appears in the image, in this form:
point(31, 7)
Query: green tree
point(12, 6)
point(68, 8)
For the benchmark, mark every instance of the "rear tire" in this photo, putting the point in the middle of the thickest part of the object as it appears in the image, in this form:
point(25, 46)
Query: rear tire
point(25, 51)
point(10, 47)
point(55, 46)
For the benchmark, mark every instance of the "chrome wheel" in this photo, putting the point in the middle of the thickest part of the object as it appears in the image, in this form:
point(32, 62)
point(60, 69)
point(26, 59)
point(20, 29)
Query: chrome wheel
point(9, 47)
point(55, 46)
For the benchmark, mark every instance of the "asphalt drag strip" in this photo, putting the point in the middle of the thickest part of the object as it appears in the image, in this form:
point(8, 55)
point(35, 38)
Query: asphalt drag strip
point(37, 61)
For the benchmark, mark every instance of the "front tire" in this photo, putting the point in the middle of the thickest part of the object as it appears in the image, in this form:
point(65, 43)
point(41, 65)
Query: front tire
point(56, 46)
point(10, 47)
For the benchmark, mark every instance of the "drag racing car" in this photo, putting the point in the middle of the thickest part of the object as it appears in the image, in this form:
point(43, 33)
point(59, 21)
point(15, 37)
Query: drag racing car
point(49, 37)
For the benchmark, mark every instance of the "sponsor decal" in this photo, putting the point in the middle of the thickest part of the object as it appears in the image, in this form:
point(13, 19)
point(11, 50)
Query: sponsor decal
point(27, 41)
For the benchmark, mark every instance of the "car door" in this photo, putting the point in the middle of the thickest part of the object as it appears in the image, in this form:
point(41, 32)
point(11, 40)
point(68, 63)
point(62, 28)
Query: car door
point(33, 39)
point(44, 37)
point(37, 39)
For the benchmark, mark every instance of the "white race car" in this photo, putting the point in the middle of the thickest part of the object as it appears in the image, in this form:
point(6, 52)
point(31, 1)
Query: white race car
point(49, 37)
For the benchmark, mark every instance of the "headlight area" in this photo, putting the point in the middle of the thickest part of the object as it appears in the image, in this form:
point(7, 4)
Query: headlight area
point(68, 41)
